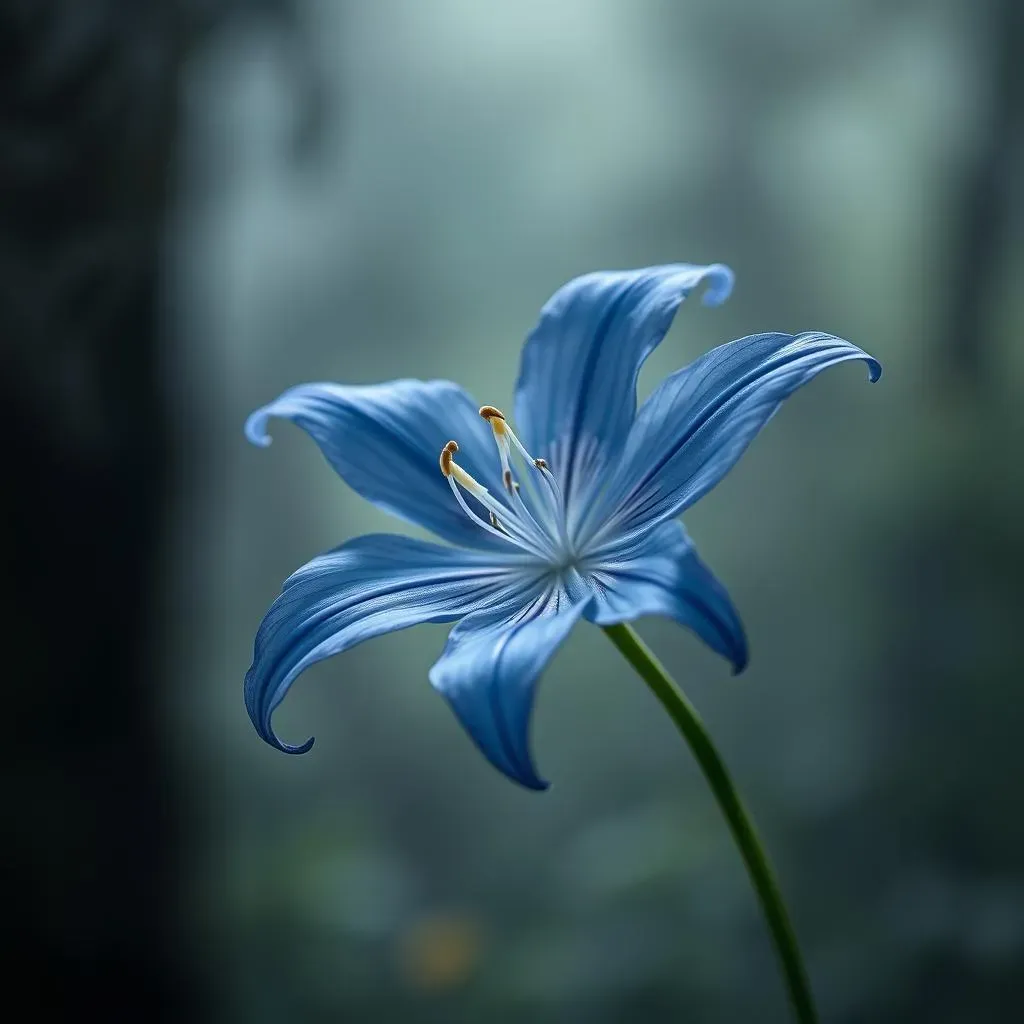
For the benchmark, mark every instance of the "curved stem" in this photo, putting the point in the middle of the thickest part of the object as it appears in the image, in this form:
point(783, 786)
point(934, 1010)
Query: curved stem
point(689, 723)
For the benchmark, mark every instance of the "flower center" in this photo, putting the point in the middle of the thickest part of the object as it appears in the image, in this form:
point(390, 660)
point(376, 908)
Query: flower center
point(531, 517)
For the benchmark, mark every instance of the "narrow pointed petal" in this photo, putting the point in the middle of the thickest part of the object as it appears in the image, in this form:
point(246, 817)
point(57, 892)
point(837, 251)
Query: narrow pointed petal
point(576, 394)
point(489, 670)
point(384, 441)
point(661, 574)
point(700, 420)
point(369, 586)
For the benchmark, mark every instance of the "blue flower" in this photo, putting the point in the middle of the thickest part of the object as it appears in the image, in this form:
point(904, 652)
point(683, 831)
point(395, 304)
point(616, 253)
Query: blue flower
point(574, 518)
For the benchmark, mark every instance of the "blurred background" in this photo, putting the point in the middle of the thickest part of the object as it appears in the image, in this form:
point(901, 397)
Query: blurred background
point(203, 202)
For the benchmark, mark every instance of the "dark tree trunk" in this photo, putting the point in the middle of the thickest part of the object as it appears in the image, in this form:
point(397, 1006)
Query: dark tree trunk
point(87, 130)
point(988, 194)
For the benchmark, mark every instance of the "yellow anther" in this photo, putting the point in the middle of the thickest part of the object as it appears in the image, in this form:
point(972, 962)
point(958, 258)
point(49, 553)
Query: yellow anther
point(455, 473)
point(512, 520)
point(446, 457)
point(496, 418)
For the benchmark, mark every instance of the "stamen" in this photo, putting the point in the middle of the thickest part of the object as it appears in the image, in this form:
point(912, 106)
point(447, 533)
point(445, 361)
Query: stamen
point(492, 412)
point(451, 468)
point(503, 435)
point(556, 497)
point(496, 523)
point(516, 522)
point(457, 477)
point(496, 418)
point(505, 438)
point(446, 457)
point(540, 464)
point(465, 480)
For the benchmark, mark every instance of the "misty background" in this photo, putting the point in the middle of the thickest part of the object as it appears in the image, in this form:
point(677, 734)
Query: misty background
point(203, 203)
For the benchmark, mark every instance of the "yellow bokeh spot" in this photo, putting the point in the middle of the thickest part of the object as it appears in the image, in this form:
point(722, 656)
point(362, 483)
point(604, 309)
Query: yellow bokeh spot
point(440, 952)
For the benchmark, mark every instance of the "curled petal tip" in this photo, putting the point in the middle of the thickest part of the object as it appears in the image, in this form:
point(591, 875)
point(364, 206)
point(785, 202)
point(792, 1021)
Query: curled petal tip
point(265, 730)
point(739, 656)
point(528, 778)
point(719, 280)
point(288, 748)
point(256, 429)
point(874, 369)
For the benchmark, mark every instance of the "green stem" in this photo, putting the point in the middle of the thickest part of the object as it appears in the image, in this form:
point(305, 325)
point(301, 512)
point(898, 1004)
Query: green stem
point(684, 714)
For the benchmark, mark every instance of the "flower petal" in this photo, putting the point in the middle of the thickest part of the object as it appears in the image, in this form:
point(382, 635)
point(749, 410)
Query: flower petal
point(366, 587)
point(489, 669)
point(576, 393)
point(660, 574)
point(384, 441)
point(698, 422)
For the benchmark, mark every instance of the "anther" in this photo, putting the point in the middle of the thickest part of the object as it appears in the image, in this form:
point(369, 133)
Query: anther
point(516, 524)
point(446, 457)
point(496, 418)
point(455, 474)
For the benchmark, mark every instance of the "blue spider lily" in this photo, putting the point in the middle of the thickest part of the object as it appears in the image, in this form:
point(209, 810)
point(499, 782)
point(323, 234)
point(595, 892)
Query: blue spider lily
point(573, 518)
